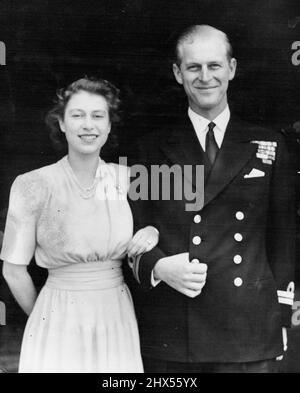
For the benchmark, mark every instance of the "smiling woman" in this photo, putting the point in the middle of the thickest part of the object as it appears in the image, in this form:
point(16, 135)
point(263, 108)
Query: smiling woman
point(86, 123)
point(102, 89)
point(73, 217)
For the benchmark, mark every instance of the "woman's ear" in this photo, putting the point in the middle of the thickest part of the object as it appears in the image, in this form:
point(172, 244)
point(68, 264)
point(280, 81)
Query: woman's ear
point(62, 125)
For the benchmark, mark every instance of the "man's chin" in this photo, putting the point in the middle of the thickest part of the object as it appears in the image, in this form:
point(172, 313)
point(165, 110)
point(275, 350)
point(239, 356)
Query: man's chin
point(207, 104)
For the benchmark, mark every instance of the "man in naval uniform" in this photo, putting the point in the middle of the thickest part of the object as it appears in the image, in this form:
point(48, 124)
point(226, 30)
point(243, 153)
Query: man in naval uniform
point(218, 288)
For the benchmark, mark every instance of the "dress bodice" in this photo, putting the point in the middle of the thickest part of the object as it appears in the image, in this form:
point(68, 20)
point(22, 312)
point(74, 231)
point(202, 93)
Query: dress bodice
point(52, 216)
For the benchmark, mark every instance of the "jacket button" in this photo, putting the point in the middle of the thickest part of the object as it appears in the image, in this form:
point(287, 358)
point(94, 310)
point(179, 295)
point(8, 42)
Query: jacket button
point(197, 219)
point(237, 259)
point(195, 260)
point(238, 237)
point(196, 240)
point(238, 282)
point(239, 216)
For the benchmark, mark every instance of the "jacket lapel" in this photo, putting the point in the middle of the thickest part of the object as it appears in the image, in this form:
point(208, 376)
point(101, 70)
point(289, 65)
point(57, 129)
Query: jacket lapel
point(235, 152)
point(183, 148)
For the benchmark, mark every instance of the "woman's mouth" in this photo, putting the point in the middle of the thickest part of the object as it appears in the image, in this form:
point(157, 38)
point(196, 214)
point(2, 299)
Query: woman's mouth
point(88, 137)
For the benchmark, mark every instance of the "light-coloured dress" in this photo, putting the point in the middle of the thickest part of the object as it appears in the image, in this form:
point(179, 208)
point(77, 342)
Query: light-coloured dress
point(83, 319)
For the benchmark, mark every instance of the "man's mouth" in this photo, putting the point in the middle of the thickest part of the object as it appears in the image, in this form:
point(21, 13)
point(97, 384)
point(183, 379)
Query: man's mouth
point(205, 88)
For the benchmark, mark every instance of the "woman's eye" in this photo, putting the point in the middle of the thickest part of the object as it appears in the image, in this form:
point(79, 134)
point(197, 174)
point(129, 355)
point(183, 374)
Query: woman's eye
point(76, 115)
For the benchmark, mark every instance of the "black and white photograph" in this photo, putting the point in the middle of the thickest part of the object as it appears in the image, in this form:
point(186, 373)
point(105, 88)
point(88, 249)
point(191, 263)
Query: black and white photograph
point(150, 188)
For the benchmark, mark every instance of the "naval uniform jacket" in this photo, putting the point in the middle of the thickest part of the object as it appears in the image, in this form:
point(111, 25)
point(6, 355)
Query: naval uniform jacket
point(246, 233)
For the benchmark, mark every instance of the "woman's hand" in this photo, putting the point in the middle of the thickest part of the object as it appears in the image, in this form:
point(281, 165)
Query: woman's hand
point(143, 241)
point(21, 285)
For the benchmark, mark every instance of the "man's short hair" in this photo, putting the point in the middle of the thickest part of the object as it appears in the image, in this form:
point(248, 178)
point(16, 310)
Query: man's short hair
point(196, 30)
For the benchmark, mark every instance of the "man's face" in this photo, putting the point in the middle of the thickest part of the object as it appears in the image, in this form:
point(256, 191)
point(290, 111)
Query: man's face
point(205, 72)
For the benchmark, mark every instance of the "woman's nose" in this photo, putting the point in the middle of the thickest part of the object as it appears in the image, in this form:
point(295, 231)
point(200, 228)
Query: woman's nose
point(88, 123)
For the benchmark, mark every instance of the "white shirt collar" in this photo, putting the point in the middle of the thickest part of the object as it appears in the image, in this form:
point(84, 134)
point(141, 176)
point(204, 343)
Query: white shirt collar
point(200, 124)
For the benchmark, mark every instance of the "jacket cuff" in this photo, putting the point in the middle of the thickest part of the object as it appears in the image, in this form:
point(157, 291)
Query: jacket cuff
point(154, 281)
point(145, 266)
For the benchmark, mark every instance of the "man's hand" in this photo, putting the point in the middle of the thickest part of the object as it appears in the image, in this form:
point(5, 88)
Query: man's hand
point(177, 271)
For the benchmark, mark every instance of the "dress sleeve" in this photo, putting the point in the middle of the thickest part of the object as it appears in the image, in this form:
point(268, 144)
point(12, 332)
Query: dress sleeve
point(19, 240)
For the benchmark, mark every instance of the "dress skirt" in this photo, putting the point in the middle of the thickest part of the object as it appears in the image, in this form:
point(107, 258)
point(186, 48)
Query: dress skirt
point(83, 321)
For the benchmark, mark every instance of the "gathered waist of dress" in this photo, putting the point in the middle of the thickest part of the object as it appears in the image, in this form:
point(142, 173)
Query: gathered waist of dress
point(86, 276)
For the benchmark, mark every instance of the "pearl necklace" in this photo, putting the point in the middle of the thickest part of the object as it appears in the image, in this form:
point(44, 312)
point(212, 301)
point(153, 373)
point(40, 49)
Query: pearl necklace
point(85, 192)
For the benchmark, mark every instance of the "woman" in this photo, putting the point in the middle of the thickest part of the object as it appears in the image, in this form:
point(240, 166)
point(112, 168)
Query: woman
point(73, 216)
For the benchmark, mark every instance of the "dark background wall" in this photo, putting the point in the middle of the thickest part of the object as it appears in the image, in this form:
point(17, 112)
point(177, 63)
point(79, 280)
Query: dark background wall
point(51, 43)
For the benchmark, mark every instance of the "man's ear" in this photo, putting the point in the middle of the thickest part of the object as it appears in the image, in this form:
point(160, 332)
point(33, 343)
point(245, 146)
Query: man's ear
point(177, 73)
point(62, 125)
point(232, 66)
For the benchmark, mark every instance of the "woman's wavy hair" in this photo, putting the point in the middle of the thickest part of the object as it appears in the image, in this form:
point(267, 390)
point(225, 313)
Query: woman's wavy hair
point(91, 85)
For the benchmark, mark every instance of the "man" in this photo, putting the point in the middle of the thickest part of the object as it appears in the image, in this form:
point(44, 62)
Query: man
point(220, 282)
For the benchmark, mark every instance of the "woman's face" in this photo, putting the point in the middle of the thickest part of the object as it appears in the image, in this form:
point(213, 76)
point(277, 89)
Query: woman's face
point(86, 123)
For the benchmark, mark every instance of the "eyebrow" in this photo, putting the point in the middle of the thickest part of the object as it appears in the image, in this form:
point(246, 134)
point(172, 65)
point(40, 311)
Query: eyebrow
point(82, 110)
point(194, 63)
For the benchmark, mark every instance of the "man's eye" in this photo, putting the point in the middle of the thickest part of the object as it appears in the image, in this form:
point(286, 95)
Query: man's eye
point(193, 68)
point(98, 116)
point(215, 66)
point(76, 115)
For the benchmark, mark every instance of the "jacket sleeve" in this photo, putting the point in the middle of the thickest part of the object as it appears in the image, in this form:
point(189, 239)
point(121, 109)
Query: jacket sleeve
point(143, 213)
point(281, 232)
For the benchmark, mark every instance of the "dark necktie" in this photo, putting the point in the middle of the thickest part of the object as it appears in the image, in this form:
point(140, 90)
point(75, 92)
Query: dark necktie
point(211, 147)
